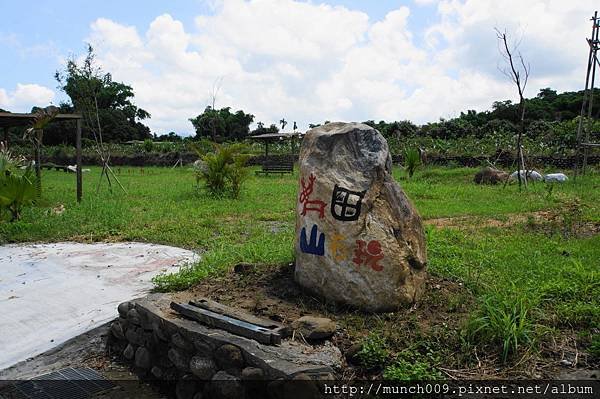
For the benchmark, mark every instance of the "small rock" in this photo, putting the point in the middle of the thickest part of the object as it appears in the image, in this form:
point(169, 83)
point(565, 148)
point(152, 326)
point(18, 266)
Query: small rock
point(314, 327)
point(129, 352)
point(123, 322)
point(489, 175)
point(179, 359)
point(186, 387)
point(135, 335)
point(254, 381)
point(566, 363)
point(243, 268)
point(123, 308)
point(203, 367)
point(181, 342)
point(134, 317)
point(202, 347)
point(226, 386)
point(253, 374)
point(158, 331)
point(142, 358)
point(229, 357)
point(117, 330)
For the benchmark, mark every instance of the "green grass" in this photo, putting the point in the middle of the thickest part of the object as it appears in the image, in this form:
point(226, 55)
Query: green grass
point(530, 280)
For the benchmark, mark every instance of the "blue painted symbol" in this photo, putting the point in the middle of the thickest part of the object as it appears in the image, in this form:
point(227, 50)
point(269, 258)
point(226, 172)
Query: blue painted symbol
point(311, 247)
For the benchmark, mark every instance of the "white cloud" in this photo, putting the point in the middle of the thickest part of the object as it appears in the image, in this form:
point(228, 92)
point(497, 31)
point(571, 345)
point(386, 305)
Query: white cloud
point(25, 96)
point(310, 62)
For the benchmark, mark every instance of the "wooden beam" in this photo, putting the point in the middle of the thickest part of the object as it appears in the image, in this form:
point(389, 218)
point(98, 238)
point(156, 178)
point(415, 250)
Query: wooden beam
point(79, 176)
point(239, 314)
point(238, 327)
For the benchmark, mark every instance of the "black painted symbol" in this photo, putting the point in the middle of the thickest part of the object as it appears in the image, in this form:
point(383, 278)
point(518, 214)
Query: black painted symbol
point(310, 246)
point(345, 204)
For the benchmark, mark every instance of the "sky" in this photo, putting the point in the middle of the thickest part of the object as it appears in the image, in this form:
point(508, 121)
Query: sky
point(306, 61)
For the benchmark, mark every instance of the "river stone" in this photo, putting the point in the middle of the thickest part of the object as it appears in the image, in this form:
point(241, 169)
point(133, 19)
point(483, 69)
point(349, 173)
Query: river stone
point(229, 357)
point(143, 358)
point(202, 367)
point(117, 330)
point(359, 239)
point(226, 386)
point(312, 327)
point(129, 352)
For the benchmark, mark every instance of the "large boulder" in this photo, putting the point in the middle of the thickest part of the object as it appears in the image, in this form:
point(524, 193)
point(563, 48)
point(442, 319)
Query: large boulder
point(489, 175)
point(359, 239)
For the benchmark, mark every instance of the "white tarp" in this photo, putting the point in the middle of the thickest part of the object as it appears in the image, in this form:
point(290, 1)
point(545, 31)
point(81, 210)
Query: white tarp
point(50, 293)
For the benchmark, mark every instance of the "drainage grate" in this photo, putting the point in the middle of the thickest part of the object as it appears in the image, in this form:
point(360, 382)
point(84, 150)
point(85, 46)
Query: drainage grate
point(69, 383)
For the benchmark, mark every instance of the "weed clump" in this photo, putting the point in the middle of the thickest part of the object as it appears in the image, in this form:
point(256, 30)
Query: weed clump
point(374, 351)
point(503, 324)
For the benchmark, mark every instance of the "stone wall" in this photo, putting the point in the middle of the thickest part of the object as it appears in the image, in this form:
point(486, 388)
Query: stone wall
point(196, 361)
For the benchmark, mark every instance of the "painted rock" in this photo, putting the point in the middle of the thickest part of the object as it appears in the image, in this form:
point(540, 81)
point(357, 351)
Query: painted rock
point(359, 240)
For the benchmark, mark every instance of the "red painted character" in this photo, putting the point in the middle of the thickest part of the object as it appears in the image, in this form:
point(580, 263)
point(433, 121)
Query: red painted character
point(307, 189)
point(368, 254)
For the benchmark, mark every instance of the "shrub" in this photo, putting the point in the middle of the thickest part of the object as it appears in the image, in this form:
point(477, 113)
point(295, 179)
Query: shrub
point(412, 160)
point(223, 170)
point(148, 145)
point(412, 367)
point(17, 189)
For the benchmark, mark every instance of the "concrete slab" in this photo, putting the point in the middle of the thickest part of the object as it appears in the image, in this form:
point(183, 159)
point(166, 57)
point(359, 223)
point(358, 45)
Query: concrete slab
point(50, 293)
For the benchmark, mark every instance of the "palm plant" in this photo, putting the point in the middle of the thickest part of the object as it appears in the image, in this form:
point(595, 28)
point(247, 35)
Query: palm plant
point(223, 170)
point(16, 191)
point(412, 160)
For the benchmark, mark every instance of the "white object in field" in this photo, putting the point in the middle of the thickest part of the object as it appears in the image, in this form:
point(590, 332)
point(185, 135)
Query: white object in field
point(50, 293)
point(526, 174)
point(555, 177)
point(73, 168)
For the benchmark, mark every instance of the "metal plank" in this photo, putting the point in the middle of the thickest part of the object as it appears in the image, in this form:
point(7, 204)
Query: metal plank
point(239, 327)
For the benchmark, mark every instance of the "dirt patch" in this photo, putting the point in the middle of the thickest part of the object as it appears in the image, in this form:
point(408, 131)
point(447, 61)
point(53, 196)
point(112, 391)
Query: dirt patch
point(270, 292)
point(507, 220)
point(433, 325)
point(567, 221)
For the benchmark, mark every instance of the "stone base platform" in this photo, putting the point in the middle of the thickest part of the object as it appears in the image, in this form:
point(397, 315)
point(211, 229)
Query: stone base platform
point(206, 362)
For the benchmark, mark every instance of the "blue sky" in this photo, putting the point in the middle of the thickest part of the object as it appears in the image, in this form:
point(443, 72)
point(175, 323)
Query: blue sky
point(305, 61)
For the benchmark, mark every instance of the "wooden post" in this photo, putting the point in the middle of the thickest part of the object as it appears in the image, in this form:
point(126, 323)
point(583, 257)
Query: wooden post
point(79, 177)
point(38, 134)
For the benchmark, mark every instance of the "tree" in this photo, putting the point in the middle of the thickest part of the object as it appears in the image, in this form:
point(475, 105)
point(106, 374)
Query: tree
point(518, 74)
point(221, 125)
point(107, 106)
point(171, 136)
point(104, 104)
point(261, 129)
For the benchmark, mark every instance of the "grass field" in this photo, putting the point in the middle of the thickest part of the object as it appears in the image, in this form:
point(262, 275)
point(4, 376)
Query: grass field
point(527, 263)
